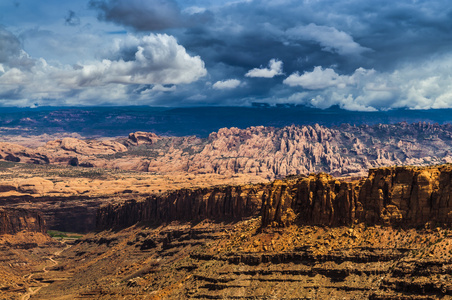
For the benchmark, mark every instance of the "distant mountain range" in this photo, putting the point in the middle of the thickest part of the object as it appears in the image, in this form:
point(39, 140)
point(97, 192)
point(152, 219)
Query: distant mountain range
point(199, 121)
point(265, 152)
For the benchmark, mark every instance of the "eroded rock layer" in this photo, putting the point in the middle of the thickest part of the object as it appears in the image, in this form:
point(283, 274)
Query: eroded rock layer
point(261, 151)
point(241, 261)
point(229, 203)
point(406, 196)
point(13, 221)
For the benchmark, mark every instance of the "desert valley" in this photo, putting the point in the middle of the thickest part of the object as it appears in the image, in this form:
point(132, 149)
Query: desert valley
point(234, 149)
point(299, 212)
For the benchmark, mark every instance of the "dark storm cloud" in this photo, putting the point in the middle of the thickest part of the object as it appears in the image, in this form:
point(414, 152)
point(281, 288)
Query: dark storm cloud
point(11, 54)
point(140, 14)
point(71, 19)
point(357, 54)
point(145, 15)
point(343, 36)
point(9, 46)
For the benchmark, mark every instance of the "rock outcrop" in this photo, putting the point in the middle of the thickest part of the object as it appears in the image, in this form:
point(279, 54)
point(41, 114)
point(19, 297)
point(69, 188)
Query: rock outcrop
point(345, 150)
point(140, 137)
point(263, 151)
point(88, 147)
point(401, 196)
point(35, 185)
point(13, 221)
point(16, 153)
point(230, 203)
point(405, 196)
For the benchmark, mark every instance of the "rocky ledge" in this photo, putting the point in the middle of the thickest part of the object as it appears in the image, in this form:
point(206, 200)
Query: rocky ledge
point(401, 196)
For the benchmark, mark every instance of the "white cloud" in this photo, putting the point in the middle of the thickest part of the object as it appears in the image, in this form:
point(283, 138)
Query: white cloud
point(331, 39)
point(329, 88)
point(274, 68)
point(155, 59)
point(321, 78)
point(422, 86)
point(158, 59)
point(226, 84)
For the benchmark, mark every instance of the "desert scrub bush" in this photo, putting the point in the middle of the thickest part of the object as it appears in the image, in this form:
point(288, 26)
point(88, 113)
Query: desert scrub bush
point(7, 164)
point(79, 172)
point(62, 235)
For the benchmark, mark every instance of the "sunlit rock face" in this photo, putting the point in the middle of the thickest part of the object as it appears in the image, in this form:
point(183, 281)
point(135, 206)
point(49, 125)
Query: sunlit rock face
point(267, 152)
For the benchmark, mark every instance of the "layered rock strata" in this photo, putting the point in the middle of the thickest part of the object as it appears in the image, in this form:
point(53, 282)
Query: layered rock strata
point(13, 221)
point(264, 151)
point(227, 203)
point(240, 261)
point(403, 196)
point(406, 196)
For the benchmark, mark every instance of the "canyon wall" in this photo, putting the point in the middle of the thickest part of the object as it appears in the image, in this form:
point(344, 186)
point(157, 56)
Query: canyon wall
point(401, 196)
point(63, 213)
point(226, 203)
point(15, 220)
point(406, 196)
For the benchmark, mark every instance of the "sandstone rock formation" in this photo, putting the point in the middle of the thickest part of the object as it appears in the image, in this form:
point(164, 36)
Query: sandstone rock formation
point(35, 185)
point(348, 150)
point(13, 221)
point(263, 151)
point(140, 137)
point(405, 196)
point(68, 197)
point(88, 147)
point(16, 153)
point(227, 203)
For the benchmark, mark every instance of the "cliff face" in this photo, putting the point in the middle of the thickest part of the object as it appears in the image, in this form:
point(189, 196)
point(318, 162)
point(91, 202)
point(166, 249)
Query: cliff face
point(15, 220)
point(406, 196)
point(317, 199)
point(218, 203)
point(410, 196)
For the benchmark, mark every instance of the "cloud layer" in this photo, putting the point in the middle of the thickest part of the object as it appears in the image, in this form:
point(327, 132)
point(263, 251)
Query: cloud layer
point(136, 64)
point(354, 54)
point(329, 38)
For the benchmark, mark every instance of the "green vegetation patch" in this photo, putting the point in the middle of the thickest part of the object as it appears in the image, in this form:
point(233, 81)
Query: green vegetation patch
point(63, 235)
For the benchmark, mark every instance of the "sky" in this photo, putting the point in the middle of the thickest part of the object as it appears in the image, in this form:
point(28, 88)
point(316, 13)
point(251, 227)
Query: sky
point(359, 55)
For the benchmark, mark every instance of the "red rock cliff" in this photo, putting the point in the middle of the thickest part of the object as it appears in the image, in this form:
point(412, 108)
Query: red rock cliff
point(16, 220)
point(406, 196)
point(218, 203)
